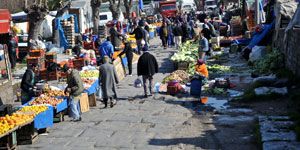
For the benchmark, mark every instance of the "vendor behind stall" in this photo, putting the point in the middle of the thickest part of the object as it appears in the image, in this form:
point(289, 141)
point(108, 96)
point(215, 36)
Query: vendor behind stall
point(27, 84)
point(75, 89)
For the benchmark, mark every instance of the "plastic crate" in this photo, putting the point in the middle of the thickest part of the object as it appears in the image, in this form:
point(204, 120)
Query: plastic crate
point(51, 56)
point(37, 53)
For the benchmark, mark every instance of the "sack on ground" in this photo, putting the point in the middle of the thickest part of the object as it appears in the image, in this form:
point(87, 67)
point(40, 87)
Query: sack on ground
point(138, 83)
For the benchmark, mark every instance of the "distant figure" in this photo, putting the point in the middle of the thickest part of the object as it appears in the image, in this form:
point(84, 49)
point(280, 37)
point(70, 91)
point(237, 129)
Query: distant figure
point(107, 80)
point(177, 31)
point(106, 49)
point(115, 36)
point(139, 34)
point(147, 66)
point(163, 33)
point(129, 54)
point(203, 46)
point(12, 51)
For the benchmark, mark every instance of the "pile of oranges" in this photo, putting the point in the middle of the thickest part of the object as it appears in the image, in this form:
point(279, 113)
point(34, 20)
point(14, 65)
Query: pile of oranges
point(36, 109)
point(10, 121)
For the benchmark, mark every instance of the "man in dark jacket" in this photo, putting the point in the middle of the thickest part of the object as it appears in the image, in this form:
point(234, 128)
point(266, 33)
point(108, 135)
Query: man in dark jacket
point(147, 67)
point(139, 35)
point(129, 55)
point(75, 89)
point(163, 33)
point(107, 79)
point(12, 53)
point(177, 31)
point(185, 32)
point(27, 84)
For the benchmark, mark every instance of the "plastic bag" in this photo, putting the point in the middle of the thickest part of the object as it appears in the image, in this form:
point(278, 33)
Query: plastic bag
point(138, 83)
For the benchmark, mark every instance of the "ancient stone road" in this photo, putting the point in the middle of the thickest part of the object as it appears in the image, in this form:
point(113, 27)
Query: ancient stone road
point(159, 122)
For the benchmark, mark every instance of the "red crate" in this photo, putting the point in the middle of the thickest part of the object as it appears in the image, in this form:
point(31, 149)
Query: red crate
point(52, 55)
point(37, 53)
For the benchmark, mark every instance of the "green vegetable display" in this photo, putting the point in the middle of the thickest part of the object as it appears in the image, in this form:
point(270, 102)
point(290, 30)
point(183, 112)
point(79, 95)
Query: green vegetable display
point(218, 69)
point(188, 52)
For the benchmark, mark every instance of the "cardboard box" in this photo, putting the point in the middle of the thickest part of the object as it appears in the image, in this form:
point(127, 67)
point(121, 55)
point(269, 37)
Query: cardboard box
point(92, 100)
point(84, 103)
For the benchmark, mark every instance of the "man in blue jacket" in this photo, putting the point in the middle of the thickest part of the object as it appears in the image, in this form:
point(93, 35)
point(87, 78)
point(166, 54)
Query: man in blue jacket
point(106, 49)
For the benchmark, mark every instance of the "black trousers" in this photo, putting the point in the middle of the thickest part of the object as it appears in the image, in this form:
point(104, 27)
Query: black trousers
point(129, 63)
point(12, 59)
point(105, 100)
point(164, 41)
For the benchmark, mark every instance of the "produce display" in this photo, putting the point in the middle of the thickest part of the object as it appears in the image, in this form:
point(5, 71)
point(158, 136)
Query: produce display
point(36, 109)
point(188, 52)
point(89, 74)
point(53, 93)
point(87, 82)
point(9, 122)
point(44, 99)
point(178, 75)
point(218, 69)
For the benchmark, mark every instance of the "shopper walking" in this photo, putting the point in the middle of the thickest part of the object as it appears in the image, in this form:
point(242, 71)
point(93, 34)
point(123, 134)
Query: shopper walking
point(75, 89)
point(139, 35)
point(107, 80)
point(147, 67)
point(129, 54)
point(163, 33)
point(177, 31)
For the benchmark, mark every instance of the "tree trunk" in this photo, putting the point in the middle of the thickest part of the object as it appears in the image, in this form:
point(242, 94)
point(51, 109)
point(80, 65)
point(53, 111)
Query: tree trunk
point(128, 6)
point(36, 15)
point(96, 19)
point(115, 9)
point(34, 29)
point(95, 4)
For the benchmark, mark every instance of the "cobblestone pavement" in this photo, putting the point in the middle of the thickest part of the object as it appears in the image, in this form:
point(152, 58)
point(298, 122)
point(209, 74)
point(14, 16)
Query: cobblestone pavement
point(159, 122)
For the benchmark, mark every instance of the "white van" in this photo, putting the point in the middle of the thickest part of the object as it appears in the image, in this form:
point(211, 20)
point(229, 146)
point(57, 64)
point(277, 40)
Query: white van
point(188, 7)
point(210, 4)
point(106, 15)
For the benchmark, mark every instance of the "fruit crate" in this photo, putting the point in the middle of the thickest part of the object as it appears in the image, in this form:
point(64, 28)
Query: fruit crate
point(27, 134)
point(9, 141)
point(33, 60)
point(51, 56)
point(37, 53)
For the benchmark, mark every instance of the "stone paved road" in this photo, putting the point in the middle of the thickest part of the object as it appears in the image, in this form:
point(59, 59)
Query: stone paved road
point(163, 122)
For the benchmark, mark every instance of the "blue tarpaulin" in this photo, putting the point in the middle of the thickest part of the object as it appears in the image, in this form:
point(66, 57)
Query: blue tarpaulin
point(63, 41)
point(44, 119)
point(93, 89)
point(257, 37)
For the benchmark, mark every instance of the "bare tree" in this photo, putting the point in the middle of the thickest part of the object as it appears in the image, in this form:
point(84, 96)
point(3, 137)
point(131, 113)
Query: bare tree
point(95, 4)
point(115, 8)
point(36, 14)
point(128, 5)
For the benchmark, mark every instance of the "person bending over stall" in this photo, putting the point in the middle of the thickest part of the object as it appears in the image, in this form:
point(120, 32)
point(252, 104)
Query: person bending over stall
point(75, 89)
point(27, 84)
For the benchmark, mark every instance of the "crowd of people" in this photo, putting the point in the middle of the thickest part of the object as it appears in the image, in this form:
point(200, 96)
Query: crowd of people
point(173, 32)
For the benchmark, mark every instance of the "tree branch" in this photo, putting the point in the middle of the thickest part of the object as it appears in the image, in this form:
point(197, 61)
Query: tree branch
point(119, 4)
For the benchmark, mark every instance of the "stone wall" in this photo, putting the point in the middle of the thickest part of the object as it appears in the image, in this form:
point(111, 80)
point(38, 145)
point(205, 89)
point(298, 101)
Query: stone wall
point(6, 93)
point(291, 49)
